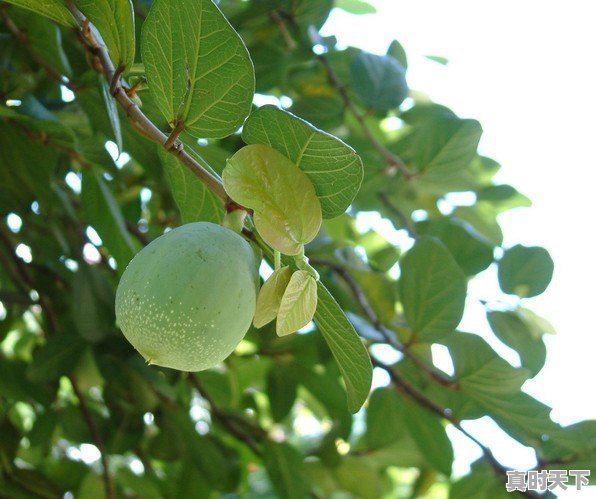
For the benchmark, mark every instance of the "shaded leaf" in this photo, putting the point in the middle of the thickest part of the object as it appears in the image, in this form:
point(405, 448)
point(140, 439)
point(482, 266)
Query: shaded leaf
point(281, 390)
point(379, 81)
point(432, 290)
point(112, 110)
point(472, 252)
point(54, 9)
point(103, 213)
point(58, 357)
point(511, 328)
point(285, 469)
point(525, 271)
point(114, 19)
point(430, 436)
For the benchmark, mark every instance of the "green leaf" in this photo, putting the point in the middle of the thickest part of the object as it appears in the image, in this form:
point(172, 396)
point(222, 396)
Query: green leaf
point(471, 251)
point(332, 166)
point(194, 200)
point(525, 271)
point(432, 290)
point(298, 304)
point(379, 81)
point(397, 51)
point(112, 110)
point(483, 217)
point(286, 471)
point(103, 213)
point(358, 476)
point(54, 9)
point(198, 69)
point(438, 59)
point(358, 7)
point(114, 19)
point(287, 212)
point(503, 196)
point(281, 390)
point(511, 328)
point(44, 39)
point(92, 303)
point(384, 418)
point(58, 357)
point(481, 483)
point(430, 436)
point(449, 146)
point(479, 370)
point(270, 296)
point(349, 352)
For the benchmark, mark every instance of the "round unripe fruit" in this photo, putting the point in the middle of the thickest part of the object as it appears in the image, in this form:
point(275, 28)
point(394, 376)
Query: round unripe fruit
point(187, 299)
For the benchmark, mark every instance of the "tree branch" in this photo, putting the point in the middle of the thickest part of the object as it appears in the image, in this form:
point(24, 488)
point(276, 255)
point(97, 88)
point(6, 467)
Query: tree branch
point(96, 46)
point(372, 316)
point(229, 423)
point(26, 282)
point(394, 162)
point(96, 437)
point(404, 387)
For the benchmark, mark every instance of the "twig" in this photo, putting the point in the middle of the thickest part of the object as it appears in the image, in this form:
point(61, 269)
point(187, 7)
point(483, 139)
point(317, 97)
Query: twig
point(25, 281)
point(139, 121)
point(372, 316)
point(96, 436)
point(404, 387)
point(283, 29)
point(229, 423)
point(403, 219)
point(394, 162)
point(135, 231)
point(21, 36)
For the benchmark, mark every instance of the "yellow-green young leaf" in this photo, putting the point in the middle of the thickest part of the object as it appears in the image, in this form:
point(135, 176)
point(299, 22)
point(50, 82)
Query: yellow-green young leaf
point(270, 296)
point(332, 166)
point(298, 303)
point(198, 69)
point(114, 19)
point(287, 212)
point(54, 9)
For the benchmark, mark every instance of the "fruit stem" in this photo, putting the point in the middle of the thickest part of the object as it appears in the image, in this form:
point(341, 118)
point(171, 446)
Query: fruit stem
point(234, 220)
point(302, 263)
point(277, 259)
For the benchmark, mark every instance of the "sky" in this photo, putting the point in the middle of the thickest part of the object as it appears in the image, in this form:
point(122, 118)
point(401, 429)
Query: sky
point(524, 69)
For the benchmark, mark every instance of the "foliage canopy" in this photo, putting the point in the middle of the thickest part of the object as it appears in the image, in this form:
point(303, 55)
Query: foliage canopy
point(117, 120)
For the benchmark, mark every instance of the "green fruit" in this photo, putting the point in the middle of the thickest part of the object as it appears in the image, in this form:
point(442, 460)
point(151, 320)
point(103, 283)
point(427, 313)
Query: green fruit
point(188, 298)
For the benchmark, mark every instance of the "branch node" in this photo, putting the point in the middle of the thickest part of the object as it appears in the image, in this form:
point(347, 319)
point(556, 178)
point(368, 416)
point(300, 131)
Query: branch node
point(170, 143)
